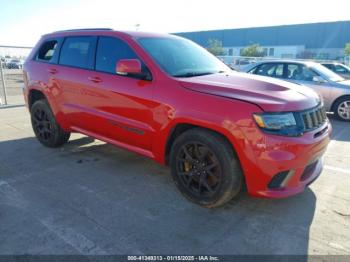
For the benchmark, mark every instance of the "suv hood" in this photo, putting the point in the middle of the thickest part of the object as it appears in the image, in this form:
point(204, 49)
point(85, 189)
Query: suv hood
point(268, 93)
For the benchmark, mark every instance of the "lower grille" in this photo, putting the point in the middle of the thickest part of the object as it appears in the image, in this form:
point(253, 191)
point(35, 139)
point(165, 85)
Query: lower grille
point(278, 179)
point(308, 171)
point(314, 118)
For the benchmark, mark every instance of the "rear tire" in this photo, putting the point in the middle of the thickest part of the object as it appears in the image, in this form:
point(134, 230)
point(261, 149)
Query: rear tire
point(205, 168)
point(342, 109)
point(45, 126)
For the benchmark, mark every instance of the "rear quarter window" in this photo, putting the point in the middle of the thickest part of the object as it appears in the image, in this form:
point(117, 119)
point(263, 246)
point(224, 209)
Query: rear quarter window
point(48, 51)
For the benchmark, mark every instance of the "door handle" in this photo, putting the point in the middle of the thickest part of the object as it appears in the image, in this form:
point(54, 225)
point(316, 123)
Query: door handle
point(95, 79)
point(52, 71)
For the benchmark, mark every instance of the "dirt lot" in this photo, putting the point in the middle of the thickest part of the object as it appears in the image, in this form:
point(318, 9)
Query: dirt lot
point(92, 198)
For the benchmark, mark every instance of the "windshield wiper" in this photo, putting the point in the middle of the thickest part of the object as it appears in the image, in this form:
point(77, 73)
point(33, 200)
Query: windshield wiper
point(192, 74)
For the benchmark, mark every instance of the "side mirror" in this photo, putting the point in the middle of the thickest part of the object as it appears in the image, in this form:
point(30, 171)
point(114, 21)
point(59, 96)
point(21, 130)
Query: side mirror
point(128, 66)
point(318, 79)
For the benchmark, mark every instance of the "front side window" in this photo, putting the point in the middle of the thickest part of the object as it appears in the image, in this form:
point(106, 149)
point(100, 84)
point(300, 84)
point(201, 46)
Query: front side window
point(78, 52)
point(109, 51)
point(300, 72)
point(179, 57)
point(47, 50)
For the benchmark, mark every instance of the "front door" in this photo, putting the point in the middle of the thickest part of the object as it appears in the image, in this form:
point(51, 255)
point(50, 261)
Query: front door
point(120, 105)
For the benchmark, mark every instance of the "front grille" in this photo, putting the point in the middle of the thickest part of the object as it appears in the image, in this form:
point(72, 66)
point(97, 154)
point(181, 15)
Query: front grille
point(314, 118)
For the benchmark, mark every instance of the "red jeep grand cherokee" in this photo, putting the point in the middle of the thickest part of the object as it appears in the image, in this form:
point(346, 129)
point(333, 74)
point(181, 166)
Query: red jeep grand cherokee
point(167, 98)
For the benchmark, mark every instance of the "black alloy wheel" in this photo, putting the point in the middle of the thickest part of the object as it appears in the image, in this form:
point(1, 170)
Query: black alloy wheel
point(45, 126)
point(199, 169)
point(205, 168)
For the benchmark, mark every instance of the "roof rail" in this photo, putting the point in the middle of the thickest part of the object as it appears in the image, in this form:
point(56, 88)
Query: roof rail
point(84, 29)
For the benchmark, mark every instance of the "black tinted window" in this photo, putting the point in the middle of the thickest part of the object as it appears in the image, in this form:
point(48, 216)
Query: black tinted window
point(47, 50)
point(78, 52)
point(109, 51)
point(330, 66)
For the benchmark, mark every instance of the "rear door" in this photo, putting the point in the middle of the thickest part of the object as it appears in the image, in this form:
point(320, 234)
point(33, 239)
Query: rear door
point(76, 61)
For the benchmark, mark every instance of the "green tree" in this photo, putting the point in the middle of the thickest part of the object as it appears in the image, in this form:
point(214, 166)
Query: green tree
point(347, 49)
point(253, 50)
point(215, 47)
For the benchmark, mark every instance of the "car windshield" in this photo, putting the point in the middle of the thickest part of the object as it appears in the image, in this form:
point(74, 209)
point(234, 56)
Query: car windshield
point(182, 58)
point(346, 68)
point(327, 73)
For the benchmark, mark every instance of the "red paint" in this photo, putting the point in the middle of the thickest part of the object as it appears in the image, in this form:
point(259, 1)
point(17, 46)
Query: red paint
point(139, 115)
point(129, 66)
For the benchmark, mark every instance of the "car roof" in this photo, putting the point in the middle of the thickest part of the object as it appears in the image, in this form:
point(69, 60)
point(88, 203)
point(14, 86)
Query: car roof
point(331, 63)
point(106, 31)
point(254, 65)
point(287, 61)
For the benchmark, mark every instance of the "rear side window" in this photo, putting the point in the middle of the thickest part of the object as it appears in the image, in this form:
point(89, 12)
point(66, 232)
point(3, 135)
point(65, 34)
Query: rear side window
point(47, 51)
point(109, 51)
point(78, 52)
point(330, 66)
point(270, 69)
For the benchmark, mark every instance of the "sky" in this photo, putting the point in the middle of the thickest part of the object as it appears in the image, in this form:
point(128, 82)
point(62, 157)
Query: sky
point(22, 22)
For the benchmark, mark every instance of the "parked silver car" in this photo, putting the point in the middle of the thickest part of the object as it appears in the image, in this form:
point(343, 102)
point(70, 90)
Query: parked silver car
point(334, 89)
point(339, 69)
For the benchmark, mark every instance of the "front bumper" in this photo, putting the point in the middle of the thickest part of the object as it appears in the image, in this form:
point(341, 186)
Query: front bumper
point(296, 160)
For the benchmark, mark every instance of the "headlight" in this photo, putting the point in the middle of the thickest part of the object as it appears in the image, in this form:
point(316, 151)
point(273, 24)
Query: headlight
point(279, 124)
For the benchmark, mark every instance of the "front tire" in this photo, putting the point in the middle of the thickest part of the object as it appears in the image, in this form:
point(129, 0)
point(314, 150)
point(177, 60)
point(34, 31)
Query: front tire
point(45, 126)
point(205, 168)
point(342, 109)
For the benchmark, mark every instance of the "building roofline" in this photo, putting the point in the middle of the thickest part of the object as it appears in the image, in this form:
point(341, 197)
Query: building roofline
point(260, 27)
